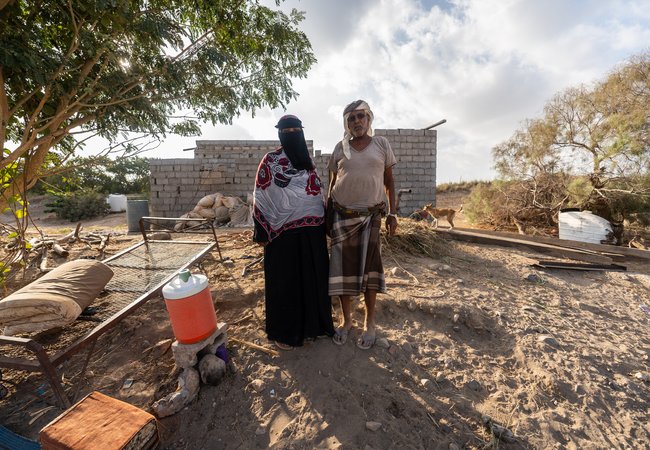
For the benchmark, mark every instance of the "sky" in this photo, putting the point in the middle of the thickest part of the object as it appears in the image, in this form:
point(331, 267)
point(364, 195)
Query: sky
point(483, 65)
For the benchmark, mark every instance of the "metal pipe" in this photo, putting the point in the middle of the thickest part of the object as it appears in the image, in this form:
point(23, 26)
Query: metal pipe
point(440, 122)
point(399, 196)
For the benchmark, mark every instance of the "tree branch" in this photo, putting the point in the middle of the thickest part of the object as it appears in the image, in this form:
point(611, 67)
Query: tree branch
point(4, 112)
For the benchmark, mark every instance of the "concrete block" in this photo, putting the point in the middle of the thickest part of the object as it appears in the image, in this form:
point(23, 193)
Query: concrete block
point(185, 355)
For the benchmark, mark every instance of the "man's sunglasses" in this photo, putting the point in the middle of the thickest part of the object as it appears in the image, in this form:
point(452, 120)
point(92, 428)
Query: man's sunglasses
point(357, 116)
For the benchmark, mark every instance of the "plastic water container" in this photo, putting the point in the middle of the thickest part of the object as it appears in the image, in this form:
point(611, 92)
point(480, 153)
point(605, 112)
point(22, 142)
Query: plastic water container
point(190, 307)
point(117, 202)
point(583, 226)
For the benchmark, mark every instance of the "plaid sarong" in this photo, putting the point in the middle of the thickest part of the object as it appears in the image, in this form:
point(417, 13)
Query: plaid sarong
point(355, 261)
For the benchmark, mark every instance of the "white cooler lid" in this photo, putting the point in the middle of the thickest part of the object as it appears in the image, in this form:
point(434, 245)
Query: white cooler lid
point(178, 289)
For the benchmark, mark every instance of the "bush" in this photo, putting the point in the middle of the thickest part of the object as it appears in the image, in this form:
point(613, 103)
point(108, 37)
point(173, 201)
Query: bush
point(458, 186)
point(101, 174)
point(484, 205)
point(78, 206)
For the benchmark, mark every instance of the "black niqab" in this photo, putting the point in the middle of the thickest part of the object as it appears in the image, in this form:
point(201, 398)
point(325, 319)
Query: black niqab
point(294, 143)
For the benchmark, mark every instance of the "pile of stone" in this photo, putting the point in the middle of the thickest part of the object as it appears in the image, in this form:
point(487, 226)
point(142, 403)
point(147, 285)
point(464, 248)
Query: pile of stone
point(204, 362)
point(222, 210)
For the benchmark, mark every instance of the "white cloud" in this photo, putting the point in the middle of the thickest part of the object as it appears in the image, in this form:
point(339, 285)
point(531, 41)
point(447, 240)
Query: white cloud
point(484, 65)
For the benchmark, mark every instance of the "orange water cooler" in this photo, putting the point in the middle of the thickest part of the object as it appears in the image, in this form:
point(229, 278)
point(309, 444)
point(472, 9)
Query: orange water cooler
point(190, 307)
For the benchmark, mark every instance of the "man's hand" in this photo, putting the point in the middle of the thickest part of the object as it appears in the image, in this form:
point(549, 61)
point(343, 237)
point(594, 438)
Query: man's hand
point(391, 225)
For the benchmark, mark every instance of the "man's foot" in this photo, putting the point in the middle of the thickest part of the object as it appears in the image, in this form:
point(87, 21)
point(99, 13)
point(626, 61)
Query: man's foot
point(340, 335)
point(282, 346)
point(366, 340)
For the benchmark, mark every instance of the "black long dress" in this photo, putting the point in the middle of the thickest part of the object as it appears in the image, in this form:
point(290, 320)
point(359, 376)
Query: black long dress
point(296, 271)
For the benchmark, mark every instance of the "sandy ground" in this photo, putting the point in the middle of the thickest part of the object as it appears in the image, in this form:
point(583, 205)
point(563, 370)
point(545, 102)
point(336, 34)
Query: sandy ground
point(557, 357)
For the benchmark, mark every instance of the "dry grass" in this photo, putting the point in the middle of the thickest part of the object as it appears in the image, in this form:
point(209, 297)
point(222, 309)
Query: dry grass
point(415, 238)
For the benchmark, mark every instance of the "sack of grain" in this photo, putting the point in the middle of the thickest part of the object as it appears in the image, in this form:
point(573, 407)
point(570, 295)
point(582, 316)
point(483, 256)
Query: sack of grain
point(221, 214)
point(218, 200)
point(239, 216)
point(194, 215)
point(207, 213)
point(230, 202)
point(206, 202)
point(180, 225)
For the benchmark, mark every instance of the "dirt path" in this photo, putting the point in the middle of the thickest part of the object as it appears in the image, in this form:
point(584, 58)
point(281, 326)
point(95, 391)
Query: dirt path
point(470, 331)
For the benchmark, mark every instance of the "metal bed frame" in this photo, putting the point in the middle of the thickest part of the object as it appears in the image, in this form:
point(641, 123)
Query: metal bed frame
point(140, 272)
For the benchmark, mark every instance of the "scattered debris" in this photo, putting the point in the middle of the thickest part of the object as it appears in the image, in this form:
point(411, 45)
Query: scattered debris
point(188, 388)
point(160, 348)
point(257, 385)
point(643, 376)
point(497, 430)
point(40, 413)
point(256, 347)
point(373, 426)
point(548, 340)
point(533, 278)
point(212, 369)
point(250, 265)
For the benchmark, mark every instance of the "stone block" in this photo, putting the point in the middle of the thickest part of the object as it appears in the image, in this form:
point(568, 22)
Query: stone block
point(186, 355)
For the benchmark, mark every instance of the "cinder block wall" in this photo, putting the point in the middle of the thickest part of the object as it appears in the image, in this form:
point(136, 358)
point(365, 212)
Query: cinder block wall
point(229, 167)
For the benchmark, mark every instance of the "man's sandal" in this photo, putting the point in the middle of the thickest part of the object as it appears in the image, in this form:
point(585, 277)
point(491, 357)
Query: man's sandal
point(340, 336)
point(366, 340)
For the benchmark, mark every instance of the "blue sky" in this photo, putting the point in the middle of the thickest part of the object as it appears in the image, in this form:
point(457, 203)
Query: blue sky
point(484, 65)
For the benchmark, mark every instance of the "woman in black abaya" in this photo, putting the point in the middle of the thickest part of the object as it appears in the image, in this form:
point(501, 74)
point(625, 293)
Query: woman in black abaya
point(289, 222)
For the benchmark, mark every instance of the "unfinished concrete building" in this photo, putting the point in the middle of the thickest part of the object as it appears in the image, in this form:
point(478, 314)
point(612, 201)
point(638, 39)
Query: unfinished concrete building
point(230, 166)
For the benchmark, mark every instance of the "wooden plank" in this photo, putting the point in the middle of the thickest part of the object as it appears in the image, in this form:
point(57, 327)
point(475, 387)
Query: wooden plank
point(555, 251)
point(548, 264)
point(615, 252)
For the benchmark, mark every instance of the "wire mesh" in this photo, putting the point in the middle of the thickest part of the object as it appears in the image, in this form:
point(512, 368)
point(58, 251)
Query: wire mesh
point(136, 274)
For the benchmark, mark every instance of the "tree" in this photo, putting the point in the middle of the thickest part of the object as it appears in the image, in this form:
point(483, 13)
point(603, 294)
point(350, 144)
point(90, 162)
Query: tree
point(111, 68)
point(593, 140)
point(101, 173)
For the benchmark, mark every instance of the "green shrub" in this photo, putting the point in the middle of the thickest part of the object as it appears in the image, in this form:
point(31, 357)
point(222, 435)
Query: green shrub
point(484, 204)
point(78, 205)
